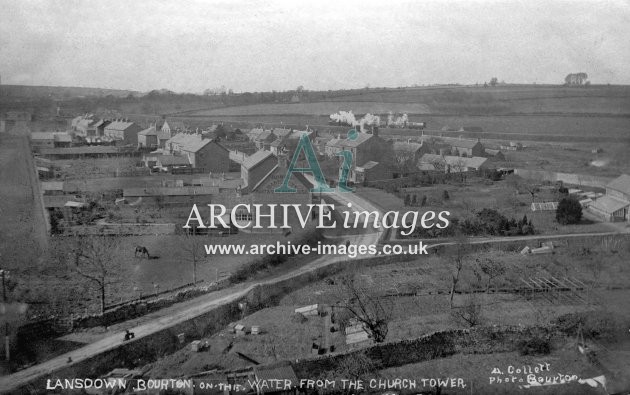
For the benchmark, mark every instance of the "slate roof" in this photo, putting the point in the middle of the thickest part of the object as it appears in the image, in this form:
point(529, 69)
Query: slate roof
point(256, 158)
point(150, 131)
point(281, 132)
point(463, 143)
point(119, 125)
point(42, 136)
point(400, 146)
point(472, 162)
point(621, 184)
point(345, 143)
point(609, 204)
point(369, 165)
point(174, 125)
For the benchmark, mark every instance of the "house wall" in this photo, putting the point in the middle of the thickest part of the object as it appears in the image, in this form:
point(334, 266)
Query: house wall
point(265, 194)
point(147, 141)
point(254, 175)
point(617, 194)
point(211, 157)
point(379, 172)
point(38, 144)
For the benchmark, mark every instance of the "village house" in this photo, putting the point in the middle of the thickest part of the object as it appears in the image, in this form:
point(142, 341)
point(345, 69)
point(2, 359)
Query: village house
point(262, 139)
point(100, 126)
point(409, 152)
point(148, 138)
point(365, 147)
point(63, 140)
point(494, 154)
point(291, 141)
point(452, 164)
point(87, 126)
point(262, 173)
point(373, 171)
point(466, 147)
point(78, 124)
point(172, 127)
point(615, 205)
point(202, 153)
point(256, 166)
point(123, 132)
point(41, 140)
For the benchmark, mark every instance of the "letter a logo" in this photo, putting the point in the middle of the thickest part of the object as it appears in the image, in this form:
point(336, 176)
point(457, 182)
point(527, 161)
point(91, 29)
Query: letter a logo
point(305, 145)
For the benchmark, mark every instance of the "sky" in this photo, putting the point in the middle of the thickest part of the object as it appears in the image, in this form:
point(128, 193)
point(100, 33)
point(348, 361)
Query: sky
point(190, 46)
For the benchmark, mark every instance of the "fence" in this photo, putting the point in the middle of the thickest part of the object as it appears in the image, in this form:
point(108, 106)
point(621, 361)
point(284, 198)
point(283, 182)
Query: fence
point(568, 178)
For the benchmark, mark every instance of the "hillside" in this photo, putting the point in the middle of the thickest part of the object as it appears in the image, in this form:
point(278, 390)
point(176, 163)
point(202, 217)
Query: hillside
point(59, 92)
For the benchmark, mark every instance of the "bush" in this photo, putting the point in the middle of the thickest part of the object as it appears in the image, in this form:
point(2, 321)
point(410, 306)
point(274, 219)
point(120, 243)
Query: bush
point(298, 318)
point(569, 211)
point(595, 325)
point(534, 346)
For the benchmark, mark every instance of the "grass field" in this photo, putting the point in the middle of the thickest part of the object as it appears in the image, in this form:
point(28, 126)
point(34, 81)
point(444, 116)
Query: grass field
point(476, 370)
point(414, 316)
point(318, 108)
point(57, 288)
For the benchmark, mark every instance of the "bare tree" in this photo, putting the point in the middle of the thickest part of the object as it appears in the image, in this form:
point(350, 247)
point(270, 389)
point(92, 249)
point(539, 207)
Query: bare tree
point(519, 184)
point(469, 313)
point(461, 249)
point(94, 258)
point(193, 251)
point(490, 268)
point(459, 166)
point(367, 307)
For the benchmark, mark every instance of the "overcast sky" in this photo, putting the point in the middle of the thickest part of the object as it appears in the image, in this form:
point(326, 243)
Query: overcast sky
point(265, 45)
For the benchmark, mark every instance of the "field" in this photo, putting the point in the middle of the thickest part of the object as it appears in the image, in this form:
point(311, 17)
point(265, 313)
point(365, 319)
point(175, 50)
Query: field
point(57, 288)
point(319, 108)
point(428, 310)
point(512, 98)
point(476, 370)
point(465, 200)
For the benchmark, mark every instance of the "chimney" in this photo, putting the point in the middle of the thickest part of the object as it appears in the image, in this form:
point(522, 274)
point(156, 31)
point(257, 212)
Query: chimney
point(282, 161)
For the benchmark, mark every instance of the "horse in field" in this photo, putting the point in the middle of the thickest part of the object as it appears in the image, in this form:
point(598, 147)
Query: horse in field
point(142, 251)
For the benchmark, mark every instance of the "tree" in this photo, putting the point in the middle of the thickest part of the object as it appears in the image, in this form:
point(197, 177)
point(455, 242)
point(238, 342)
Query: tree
point(494, 81)
point(469, 313)
point(366, 307)
point(491, 268)
point(461, 249)
point(569, 211)
point(220, 132)
point(94, 258)
point(520, 185)
point(193, 251)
